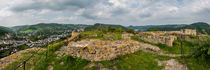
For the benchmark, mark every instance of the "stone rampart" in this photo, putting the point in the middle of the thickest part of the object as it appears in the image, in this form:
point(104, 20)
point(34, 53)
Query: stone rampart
point(168, 40)
point(165, 37)
point(98, 50)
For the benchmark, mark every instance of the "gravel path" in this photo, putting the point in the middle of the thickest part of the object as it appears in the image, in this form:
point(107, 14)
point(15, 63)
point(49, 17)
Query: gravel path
point(172, 64)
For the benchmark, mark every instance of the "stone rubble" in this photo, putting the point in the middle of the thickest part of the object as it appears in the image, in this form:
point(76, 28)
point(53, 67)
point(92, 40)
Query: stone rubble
point(165, 37)
point(98, 50)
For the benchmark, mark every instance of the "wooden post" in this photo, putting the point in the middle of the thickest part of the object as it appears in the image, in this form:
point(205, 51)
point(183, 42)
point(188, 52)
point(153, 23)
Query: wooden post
point(24, 65)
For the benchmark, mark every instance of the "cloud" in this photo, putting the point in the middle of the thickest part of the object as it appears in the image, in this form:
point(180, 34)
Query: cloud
point(125, 12)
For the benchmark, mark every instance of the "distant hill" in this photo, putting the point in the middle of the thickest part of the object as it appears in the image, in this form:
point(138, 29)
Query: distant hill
point(145, 28)
point(103, 26)
point(4, 30)
point(201, 27)
point(43, 27)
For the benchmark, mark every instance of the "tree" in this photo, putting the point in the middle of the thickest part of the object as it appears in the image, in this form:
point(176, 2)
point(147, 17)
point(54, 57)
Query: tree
point(154, 29)
point(112, 29)
point(203, 52)
point(120, 30)
point(130, 30)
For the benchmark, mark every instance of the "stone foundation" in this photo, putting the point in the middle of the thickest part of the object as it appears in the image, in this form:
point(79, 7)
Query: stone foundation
point(168, 40)
point(165, 37)
point(98, 50)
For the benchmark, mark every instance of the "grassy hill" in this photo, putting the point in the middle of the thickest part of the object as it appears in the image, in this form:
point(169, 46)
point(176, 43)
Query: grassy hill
point(201, 27)
point(45, 27)
point(4, 30)
point(103, 26)
point(145, 28)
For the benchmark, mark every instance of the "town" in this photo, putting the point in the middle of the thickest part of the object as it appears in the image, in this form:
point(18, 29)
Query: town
point(11, 43)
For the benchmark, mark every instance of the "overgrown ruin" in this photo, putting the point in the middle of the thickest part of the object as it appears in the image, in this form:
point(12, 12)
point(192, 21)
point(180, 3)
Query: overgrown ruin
point(165, 37)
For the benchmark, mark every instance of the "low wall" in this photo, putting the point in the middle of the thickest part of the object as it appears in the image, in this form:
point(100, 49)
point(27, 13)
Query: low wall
point(98, 50)
point(168, 40)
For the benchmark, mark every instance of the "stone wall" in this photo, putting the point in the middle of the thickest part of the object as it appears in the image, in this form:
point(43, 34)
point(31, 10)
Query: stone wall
point(165, 37)
point(127, 36)
point(183, 32)
point(189, 31)
point(168, 40)
point(98, 50)
point(74, 35)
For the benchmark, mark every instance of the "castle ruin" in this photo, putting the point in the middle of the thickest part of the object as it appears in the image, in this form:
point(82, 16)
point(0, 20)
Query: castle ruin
point(165, 37)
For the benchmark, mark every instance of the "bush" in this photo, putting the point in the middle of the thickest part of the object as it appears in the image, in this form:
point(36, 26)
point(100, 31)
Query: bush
point(202, 53)
point(154, 29)
point(130, 31)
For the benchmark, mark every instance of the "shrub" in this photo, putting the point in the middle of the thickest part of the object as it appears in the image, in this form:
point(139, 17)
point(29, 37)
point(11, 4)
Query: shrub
point(202, 53)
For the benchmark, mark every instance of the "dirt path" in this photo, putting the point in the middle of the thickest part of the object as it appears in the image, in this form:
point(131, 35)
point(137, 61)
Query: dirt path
point(156, 50)
point(172, 64)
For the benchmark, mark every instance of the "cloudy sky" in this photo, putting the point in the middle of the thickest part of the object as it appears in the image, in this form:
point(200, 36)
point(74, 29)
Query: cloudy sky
point(123, 12)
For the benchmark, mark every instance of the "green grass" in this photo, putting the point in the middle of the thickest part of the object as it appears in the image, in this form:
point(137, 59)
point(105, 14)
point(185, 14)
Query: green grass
point(101, 35)
point(27, 31)
point(84, 38)
point(188, 47)
point(193, 64)
point(69, 62)
point(91, 32)
point(136, 61)
point(29, 64)
point(133, 61)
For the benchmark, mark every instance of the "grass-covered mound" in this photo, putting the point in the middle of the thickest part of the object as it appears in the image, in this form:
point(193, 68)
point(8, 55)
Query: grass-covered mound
point(197, 52)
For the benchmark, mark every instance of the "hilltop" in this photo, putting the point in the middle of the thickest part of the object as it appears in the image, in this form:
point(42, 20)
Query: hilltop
point(4, 30)
point(45, 27)
point(201, 27)
point(103, 26)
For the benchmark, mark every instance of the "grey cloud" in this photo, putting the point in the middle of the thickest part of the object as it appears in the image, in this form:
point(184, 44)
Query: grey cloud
point(146, 15)
point(119, 11)
point(136, 12)
point(57, 5)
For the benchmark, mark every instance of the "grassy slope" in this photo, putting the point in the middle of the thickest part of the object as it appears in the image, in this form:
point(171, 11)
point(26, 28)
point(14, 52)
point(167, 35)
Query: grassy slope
point(173, 50)
point(137, 61)
point(101, 35)
point(30, 64)
point(134, 61)
point(191, 62)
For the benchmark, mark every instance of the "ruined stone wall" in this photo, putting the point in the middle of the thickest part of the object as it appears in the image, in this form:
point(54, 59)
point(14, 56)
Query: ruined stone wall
point(189, 31)
point(74, 36)
point(168, 40)
point(98, 50)
point(127, 36)
point(165, 37)
point(183, 32)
